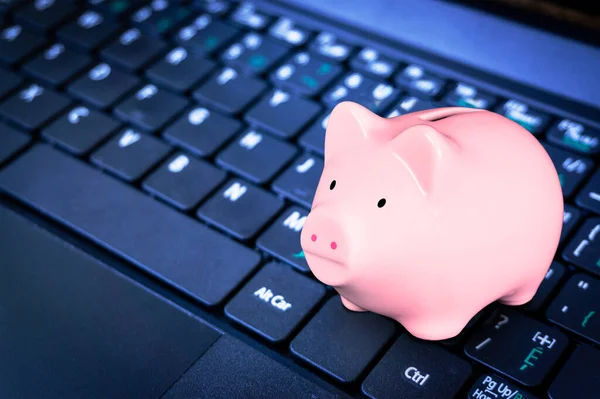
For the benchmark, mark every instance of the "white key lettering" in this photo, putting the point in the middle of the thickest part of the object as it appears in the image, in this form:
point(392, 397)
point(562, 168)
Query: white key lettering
point(251, 139)
point(178, 164)
point(53, 52)
point(306, 165)
point(198, 115)
point(235, 192)
point(413, 374)
point(31, 93)
point(128, 138)
point(77, 113)
point(294, 221)
point(176, 56)
point(100, 72)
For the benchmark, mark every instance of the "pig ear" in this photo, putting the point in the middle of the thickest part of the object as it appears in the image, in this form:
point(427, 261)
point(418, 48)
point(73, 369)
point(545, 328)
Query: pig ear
point(349, 125)
point(423, 150)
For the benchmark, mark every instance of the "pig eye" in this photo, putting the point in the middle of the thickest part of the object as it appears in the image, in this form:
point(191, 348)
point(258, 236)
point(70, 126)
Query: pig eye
point(381, 203)
point(332, 185)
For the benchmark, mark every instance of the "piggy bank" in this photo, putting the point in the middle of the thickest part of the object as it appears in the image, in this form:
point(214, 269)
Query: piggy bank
point(428, 217)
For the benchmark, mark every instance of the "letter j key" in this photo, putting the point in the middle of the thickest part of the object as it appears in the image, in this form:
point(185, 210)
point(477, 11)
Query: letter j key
point(299, 182)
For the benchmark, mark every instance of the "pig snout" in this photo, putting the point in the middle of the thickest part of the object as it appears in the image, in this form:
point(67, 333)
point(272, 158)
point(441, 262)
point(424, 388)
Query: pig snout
point(324, 237)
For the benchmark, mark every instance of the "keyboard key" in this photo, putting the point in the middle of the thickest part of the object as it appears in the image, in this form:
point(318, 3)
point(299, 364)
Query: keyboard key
point(256, 156)
point(572, 169)
point(159, 17)
point(102, 86)
point(215, 7)
point(304, 73)
point(12, 141)
point(253, 54)
point(16, 43)
point(287, 31)
point(201, 131)
point(282, 113)
point(360, 89)
point(150, 108)
point(184, 181)
point(577, 307)
point(329, 46)
point(88, 31)
point(171, 246)
point(45, 15)
point(7, 5)
point(80, 130)
point(180, 70)
point(240, 209)
point(491, 386)
point(57, 64)
point(342, 343)
point(229, 91)
point(553, 277)
point(421, 370)
point(313, 138)
point(248, 16)
point(571, 217)
point(419, 82)
point(589, 197)
point(372, 63)
point(219, 373)
point(132, 50)
point(116, 8)
point(531, 119)
point(579, 376)
point(33, 106)
point(206, 35)
point(534, 347)
point(584, 248)
point(130, 154)
point(463, 95)
point(9, 81)
point(299, 181)
point(62, 307)
point(409, 104)
point(282, 239)
point(275, 301)
point(574, 136)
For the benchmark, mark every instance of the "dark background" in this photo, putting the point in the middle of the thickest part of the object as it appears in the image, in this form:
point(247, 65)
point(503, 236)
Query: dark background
point(578, 19)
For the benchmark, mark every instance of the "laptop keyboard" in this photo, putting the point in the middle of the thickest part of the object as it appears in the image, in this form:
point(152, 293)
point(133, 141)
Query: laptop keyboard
point(187, 138)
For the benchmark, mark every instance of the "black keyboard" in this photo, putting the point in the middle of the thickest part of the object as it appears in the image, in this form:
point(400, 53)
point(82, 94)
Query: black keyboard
point(186, 138)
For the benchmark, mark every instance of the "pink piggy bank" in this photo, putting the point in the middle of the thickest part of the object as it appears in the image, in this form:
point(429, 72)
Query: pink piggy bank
point(428, 217)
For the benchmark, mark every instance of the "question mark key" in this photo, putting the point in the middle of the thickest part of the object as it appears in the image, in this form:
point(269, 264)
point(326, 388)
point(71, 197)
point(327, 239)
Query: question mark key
point(534, 347)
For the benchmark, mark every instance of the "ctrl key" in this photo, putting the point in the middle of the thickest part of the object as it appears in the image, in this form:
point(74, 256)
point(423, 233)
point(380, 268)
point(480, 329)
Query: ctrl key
point(417, 369)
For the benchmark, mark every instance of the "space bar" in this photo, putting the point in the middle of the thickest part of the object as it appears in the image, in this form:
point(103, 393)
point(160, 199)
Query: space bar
point(169, 245)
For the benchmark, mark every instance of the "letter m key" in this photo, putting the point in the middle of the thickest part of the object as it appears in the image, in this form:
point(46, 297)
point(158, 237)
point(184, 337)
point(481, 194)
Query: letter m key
point(294, 221)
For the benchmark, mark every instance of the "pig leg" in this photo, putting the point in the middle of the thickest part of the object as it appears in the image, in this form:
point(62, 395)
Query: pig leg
point(520, 296)
point(351, 306)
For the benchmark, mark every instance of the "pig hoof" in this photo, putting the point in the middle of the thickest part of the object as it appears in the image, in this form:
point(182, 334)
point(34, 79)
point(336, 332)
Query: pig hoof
point(350, 306)
point(517, 298)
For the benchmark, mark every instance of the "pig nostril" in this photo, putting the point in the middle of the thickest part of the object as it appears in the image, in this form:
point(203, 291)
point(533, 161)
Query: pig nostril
point(313, 237)
point(333, 245)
